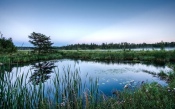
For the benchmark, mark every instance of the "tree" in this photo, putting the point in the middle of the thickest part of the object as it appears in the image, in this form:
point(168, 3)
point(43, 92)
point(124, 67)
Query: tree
point(6, 45)
point(41, 42)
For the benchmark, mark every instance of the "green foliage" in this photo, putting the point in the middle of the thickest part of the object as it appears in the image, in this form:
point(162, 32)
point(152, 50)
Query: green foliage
point(41, 43)
point(148, 96)
point(172, 84)
point(6, 45)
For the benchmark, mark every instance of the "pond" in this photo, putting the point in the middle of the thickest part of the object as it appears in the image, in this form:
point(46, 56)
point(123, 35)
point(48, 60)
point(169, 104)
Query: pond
point(109, 76)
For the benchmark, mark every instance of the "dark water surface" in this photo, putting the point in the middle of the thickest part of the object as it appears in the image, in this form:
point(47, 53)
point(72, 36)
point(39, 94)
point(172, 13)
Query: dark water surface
point(110, 76)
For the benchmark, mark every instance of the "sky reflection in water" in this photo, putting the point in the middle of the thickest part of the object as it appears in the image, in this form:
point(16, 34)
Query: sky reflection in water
point(113, 76)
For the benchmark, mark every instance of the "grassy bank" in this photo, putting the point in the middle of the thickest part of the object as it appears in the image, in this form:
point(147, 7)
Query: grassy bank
point(27, 57)
point(68, 92)
point(133, 56)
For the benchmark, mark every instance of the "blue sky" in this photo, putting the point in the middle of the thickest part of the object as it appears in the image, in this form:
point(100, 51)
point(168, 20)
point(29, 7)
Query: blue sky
point(86, 21)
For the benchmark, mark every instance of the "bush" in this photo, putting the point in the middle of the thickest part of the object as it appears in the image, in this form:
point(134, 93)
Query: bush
point(6, 45)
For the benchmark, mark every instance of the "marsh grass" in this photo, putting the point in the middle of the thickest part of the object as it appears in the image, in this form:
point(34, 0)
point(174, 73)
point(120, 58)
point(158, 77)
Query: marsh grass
point(134, 56)
point(68, 91)
point(161, 56)
point(23, 57)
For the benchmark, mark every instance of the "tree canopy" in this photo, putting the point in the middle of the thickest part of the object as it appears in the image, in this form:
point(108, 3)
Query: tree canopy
point(6, 45)
point(41, 42)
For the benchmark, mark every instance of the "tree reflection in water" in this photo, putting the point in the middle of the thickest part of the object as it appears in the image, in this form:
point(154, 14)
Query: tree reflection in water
point(41, 72)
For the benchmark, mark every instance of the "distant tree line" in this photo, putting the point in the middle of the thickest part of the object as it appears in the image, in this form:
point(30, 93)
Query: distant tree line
point(25, 48)
point(123, 45)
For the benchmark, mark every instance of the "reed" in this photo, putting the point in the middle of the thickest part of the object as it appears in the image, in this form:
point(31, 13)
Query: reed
point(70, 92)
point(66, 92)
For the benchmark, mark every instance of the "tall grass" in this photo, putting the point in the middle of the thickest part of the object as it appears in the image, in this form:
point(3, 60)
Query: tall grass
point(68, 91)
point(23, 57)
point(135, 56)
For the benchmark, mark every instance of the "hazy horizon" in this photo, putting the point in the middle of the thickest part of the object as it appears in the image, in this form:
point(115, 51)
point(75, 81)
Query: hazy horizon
point(89, 21)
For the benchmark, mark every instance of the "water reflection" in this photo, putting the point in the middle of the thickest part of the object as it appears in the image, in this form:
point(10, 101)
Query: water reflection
point(113, 62)
point(41, 72)
point(110, 75)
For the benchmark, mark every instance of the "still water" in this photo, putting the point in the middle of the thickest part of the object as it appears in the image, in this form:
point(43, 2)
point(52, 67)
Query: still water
point(110, 76)
point(135, 49)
